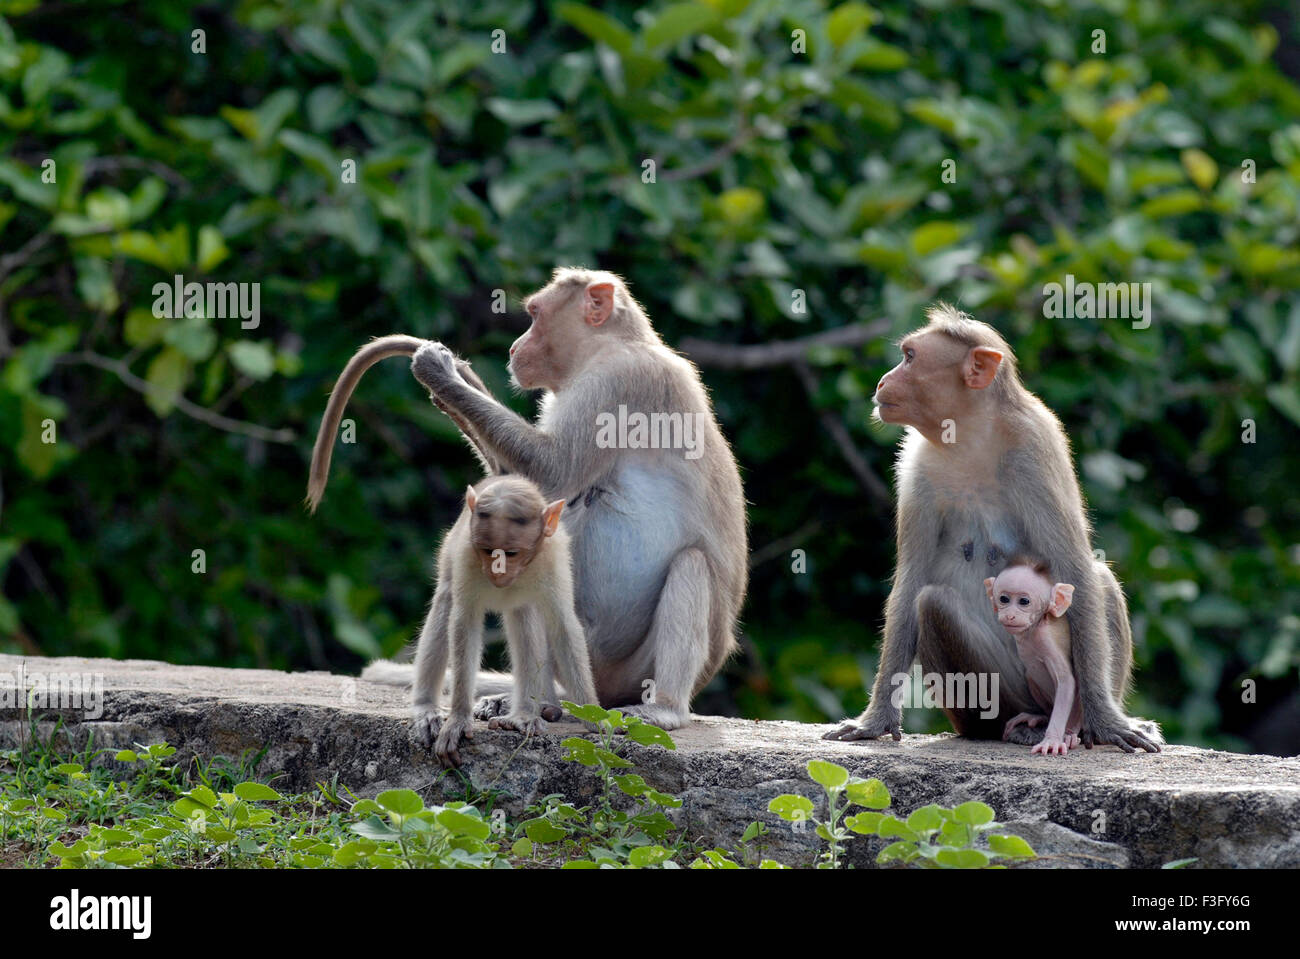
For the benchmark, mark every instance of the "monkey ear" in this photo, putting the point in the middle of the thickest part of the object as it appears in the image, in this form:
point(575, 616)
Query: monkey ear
point(600, 303)
point(981, 366)
point(988, 586)
point(551, 517)
point(471, 498)
point(1062, 596)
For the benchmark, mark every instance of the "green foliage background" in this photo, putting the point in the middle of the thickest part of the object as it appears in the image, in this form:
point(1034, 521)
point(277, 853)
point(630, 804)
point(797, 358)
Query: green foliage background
point(776, 171)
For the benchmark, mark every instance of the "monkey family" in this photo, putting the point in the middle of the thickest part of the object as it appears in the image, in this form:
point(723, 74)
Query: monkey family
point(658, 541)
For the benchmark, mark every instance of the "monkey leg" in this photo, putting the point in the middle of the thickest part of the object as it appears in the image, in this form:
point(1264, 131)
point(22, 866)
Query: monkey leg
point(1118, 632)
point(676, 649)
point(947, 646)
point(431, 658)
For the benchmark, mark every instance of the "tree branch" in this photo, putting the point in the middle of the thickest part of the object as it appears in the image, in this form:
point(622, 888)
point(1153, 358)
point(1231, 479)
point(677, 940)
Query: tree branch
point(200, 413)
point(729, 356)
point(867, 479)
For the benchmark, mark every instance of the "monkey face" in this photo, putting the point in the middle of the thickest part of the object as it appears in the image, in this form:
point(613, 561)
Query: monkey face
point(508, 523)
point(925, 387)
point(1020, 598)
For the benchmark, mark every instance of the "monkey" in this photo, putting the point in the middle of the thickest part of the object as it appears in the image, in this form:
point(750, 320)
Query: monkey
point(506, 554)
point(984, 472)
point(1030, 607)
point(656, 518)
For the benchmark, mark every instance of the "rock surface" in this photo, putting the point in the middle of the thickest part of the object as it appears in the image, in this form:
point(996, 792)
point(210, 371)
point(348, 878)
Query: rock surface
point(1092, 808)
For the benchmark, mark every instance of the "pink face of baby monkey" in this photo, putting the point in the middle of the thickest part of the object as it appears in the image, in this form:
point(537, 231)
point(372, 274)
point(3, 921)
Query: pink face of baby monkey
point(1021, 597)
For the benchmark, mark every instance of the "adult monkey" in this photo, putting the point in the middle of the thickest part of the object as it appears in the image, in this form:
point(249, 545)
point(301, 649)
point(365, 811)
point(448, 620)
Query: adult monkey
point(985, 473)
point(658, 534)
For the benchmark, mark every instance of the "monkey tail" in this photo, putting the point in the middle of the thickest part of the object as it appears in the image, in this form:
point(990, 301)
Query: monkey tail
point(366, 357)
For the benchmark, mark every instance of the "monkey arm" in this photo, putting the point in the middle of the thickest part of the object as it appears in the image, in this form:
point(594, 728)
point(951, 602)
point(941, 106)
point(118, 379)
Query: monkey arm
point(507, 438)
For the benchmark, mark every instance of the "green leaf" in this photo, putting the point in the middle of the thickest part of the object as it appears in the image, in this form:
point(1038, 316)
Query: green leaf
point(252, 358)
point(67, 769)
point(522, 847)
point(1200, 166)
point(1178, 863)
point(1173, 203)
point(864, 823)
point(193, 336)
point(891, 827)
point(167, 375)
point(403, 802)
point(460, 824)
point(871, 793)
point(212, 248)
point(792, 808)
point(542, 831)
point(741, 205)
point(126, 756)
point(597, 26)
point(847, 21)
point(898, 852)
point(961, 858)
point(676, 23)
point(925, 819)
point(255, 792)
point(973, 813)
point(648, 735)
point(521, 113)
point(1010, 846)
point(932, 236)
point(827, 775)
point(644, 856)
point(589, 713)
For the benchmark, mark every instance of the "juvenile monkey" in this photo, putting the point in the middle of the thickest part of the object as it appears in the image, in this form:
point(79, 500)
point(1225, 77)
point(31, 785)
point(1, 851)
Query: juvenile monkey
point(1031, 609)
point(984, 473)
point(658, 528)
point(506, 554)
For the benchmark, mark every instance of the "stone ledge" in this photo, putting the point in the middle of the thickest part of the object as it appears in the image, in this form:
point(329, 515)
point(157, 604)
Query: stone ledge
point(1225, 808)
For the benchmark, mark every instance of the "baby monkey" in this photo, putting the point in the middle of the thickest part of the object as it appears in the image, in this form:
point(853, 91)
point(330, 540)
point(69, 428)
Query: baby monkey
point(506, 554)
point(1032, 609)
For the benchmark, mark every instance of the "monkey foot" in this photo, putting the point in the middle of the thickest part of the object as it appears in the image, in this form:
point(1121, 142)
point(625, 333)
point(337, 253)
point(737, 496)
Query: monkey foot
point(528, 725)
point(1120, 734)
point(425, 721)
point(447, 748)
point(1030, 719)
point(867, 727)
point(658, 714)
point(489, 707)
point(1024, 735)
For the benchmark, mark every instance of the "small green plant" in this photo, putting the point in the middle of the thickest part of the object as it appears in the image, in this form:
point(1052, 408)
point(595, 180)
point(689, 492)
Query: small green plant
point(933, 836)
point(607, 835)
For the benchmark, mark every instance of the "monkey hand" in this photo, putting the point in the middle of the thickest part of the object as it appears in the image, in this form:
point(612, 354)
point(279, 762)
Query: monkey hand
point(1053, 746)
point(528, 725)
point(434, 365)
point(1116, 732)
point(425, 721)
point(870, 725)
point(447, 748)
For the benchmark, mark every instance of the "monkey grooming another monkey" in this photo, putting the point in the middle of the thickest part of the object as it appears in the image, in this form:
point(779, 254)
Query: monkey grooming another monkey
point(656, 516)
point(506, 554)
point(984, 473)
point(1031, 608)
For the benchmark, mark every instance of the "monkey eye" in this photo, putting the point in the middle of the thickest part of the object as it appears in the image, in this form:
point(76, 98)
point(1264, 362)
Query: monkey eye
point(1004, 600)
point(1024, 600)
point(909, 355)
point(512, 552)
